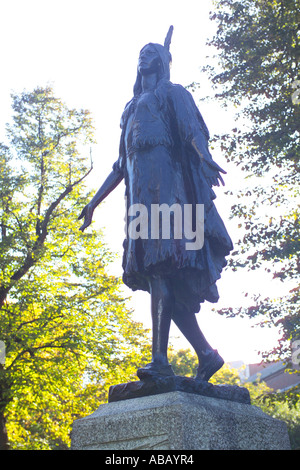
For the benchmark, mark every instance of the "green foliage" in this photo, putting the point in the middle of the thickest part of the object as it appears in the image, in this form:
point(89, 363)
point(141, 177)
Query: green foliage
point(67, 330)
point(257, 44)
point(183, 362)
point(286, 407)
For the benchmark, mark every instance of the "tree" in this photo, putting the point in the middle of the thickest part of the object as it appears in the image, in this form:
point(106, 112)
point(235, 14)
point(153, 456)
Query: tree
point(257, 44)
point(67, 331)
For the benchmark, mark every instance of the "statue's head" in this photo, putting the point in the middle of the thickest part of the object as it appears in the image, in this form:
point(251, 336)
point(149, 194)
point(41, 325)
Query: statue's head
point(154, 58)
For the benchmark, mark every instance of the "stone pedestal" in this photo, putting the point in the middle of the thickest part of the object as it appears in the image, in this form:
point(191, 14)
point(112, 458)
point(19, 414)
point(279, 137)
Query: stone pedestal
point(178, 421)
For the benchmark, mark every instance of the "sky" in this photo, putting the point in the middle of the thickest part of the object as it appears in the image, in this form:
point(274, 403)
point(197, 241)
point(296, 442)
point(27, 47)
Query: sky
point(87, 51)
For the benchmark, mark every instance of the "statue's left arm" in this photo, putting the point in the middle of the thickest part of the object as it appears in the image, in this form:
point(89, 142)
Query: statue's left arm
point(210, 168)
point(194, 133)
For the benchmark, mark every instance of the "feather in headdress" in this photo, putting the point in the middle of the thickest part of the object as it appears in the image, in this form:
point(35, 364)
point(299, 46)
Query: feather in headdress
point(168, 38)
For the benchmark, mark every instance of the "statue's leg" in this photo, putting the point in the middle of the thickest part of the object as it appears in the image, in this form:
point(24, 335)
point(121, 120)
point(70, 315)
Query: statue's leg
point(161, 311)
point(189, 327)
point(162, 303)
point(209, 359)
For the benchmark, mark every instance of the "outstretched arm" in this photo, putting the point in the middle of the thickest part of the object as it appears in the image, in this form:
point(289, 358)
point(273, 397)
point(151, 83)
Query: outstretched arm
point(111, 182)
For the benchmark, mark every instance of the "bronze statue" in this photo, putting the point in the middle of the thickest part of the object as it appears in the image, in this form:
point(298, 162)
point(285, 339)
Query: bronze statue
point(165, 160)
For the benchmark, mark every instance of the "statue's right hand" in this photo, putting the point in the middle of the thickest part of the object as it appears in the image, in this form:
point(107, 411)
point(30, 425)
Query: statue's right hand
point(87, 213)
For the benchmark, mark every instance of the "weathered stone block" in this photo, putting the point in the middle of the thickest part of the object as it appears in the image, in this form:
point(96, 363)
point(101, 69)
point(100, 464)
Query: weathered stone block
point(179, 421)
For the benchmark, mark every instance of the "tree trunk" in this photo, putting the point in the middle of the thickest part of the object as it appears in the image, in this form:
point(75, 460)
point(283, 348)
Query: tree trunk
point(3, 433)
point(3, 402)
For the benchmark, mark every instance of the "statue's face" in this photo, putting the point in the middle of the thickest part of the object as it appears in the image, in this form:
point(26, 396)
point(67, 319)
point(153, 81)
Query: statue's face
point(149, 60)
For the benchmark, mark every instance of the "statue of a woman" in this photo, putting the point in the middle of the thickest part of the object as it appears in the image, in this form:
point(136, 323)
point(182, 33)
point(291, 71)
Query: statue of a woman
point(164, 159)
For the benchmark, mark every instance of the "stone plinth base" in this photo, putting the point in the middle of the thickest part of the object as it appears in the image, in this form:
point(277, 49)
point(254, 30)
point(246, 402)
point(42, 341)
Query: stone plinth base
point(178, 421)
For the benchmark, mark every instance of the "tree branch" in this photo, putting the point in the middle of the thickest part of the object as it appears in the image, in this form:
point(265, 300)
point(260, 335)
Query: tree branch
point(33, 253)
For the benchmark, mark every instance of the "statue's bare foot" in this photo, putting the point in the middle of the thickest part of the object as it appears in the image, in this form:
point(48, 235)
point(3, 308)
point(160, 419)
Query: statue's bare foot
point(212, 363)
point(155, 369)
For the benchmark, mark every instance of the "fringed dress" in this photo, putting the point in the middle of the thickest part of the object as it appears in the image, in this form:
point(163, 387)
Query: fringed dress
point(160, 166)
